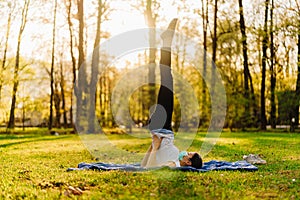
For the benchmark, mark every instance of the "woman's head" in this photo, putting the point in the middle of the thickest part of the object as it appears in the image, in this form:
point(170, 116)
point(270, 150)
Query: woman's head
point(192, 159)
point(196, 161)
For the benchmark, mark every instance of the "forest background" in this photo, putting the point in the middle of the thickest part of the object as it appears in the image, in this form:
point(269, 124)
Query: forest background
point(255, 46)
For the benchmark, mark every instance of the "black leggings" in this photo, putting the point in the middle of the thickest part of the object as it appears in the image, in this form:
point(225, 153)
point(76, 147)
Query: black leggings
point(162, 118)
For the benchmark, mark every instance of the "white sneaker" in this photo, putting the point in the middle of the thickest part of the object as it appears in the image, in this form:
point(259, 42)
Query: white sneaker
point(254, 159)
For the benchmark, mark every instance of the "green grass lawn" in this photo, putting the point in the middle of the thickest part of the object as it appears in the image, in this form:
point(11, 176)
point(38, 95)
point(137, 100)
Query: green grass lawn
point(33, 166)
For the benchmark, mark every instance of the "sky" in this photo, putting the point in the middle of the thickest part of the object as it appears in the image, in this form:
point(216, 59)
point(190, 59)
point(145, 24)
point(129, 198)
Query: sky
point(38, 35)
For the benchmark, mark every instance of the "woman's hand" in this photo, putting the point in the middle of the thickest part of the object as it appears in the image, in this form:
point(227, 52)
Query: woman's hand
point(156, 141)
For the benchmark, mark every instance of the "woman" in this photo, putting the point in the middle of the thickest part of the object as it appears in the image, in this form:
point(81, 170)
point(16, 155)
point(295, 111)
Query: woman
point(162, 151)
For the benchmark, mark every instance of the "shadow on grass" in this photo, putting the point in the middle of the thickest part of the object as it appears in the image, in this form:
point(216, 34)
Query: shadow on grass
point(38, 139)
point(17, 137)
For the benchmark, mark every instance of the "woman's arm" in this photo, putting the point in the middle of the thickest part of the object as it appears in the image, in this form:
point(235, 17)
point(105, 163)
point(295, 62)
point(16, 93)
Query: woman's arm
point(170, 164)
point(146, 157)
point(151, 157)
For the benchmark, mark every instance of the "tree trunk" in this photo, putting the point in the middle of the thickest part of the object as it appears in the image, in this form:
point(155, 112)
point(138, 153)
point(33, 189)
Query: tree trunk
point(105, 98)
point(107, 103)
point(94, 72)
point(151, 19)
point(246, 68)
point(81, 83)
point(101, 100)
point(5, 51)
point(52, 68)
point(263, 124)
point(272, 70)
point(298, 82)
point(56, 99)
point(204, 13)
point(214, 49)
point(253, 103)
point(11, 122)
point(63, 98)
point(69, 6)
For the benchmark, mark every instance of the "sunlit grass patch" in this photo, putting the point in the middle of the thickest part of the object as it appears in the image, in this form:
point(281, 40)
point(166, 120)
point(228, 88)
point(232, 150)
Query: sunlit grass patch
point(34, 167)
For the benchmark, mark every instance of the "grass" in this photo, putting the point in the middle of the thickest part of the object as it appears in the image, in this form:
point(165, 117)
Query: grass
point(33, 166)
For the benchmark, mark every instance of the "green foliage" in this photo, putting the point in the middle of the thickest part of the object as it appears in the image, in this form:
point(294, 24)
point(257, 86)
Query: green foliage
point(34, 167)
point(286, 108)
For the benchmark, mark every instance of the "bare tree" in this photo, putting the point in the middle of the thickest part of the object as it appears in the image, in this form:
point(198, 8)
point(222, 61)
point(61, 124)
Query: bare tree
point(247, 75)
point(56, 100)
point(214, 48)
point(298, 81)
point(68, 5)
point(151, 21)
point(263, 124)
point(297, 92)
point(245, 55)
point(272, 69)
point(3, 67)
point(62, 89)
point(204, 14)
point(52, 67)
point(82, 73)
point(11, 123)
point(103, 11)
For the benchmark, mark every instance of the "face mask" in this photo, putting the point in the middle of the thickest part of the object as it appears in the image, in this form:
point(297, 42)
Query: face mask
point(182, 154)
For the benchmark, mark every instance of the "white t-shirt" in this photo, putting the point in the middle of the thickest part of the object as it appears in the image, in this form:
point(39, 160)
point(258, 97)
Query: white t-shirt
point(167, 151)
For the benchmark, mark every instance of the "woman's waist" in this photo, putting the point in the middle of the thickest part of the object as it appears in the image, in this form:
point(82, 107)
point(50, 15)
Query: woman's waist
point(163, 133)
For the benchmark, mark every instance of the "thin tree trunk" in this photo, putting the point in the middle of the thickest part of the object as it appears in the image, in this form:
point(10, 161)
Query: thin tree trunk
point(108, 114)
point(5, 52)
point(286, 58)
point(203, 119)
point(52, 69)
point(81, 75)
point(106, 92)
point(94, 75)
point(152, 51)
point(253, 103)
point(272, 70)
point(214, 49)
point(63, 98)
point(246, 68)
point(56, 99)
point(69, 7)
point(263, 125)
point(11, 123)
point(101, 100)
point(298, 82)
point(249, 96)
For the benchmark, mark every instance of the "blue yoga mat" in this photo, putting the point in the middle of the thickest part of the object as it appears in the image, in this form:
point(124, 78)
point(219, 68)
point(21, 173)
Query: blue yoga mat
point(207, 166)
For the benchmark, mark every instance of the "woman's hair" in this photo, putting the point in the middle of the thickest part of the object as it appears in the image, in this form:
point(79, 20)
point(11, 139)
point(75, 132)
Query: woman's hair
point(196, 161)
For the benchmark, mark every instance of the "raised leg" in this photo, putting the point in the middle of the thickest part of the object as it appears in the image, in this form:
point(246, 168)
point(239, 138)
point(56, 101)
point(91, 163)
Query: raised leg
point(165, 95)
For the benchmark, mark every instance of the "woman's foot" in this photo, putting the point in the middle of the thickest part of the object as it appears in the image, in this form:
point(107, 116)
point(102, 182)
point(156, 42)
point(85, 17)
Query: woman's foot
point(167, 35)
